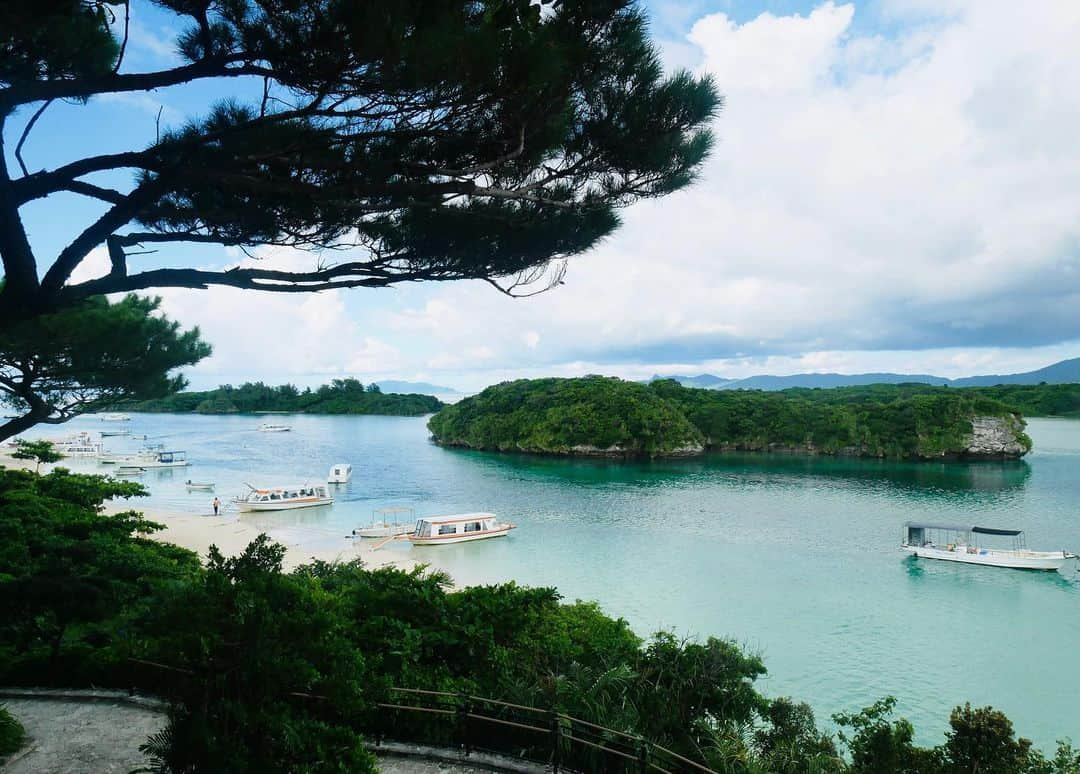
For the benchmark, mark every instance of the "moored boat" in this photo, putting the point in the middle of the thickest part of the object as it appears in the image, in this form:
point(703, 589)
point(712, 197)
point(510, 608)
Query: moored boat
point(115, 418)
point(108, 433)
point(205, 485)
point(458, 528)
point(340, 473)
point(165, 459)
point(387, 522)
point(959, 543)
point(283, 498)
point(268, 427)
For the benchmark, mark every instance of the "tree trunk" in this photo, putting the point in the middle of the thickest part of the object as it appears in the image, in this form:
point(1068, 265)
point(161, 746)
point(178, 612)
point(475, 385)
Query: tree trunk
point(17, 425)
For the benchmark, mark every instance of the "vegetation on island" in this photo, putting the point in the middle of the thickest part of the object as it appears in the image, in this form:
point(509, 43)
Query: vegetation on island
point(88, 356)
point(604, 415)
point(1037, 400)
point(341, 396)
point(594, 415)
point(267, 670)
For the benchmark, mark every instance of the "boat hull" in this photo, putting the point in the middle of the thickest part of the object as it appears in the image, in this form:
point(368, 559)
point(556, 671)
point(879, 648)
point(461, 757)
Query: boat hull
point(282, 506)
point(1046, 561)
point(442, 540)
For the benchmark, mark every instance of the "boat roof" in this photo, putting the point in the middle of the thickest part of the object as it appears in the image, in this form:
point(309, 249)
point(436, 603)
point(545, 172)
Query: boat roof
point(964, 528)
point(305, 485)
point(478, 516)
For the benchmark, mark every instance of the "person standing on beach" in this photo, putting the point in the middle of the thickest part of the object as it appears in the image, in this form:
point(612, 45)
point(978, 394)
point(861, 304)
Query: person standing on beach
point(217, 505)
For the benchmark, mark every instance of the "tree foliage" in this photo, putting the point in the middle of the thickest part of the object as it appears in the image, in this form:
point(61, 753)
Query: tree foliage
point(442, 139)
point(90, 356)
point(39, 451)
point(341, 396)
point(592, 414)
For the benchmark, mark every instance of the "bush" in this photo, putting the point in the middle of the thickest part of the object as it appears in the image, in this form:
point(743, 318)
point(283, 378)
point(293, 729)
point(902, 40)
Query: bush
point(12, 734)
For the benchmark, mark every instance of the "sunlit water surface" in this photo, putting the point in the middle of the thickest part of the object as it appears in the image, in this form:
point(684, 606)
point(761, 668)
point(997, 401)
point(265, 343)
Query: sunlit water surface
point(795, 558)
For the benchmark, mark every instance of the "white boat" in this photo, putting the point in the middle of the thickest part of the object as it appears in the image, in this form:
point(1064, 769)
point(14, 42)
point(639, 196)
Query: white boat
point(266, 427)
point(115, 418)
point(205, 485)
point(339, 474)
point(458, 528)
point(958, 543)
point(78, 446)
point(283, 498)
point(163, 459)
point(387, 522)
point(129, 470)
point(108, 433)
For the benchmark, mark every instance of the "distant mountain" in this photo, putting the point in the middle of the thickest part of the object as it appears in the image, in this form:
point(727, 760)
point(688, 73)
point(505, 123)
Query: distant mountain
point(828, 380)
point(1065, 372)
point(421, 388)
point(707, 381)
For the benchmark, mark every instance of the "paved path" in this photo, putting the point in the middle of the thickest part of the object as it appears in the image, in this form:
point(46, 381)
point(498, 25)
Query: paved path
point(73, 737)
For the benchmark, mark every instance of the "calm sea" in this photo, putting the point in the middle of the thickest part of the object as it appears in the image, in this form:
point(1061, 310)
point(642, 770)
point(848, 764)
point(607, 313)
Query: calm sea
point(795, 558)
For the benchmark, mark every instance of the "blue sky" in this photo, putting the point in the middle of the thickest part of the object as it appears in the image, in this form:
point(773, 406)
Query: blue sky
point(896, 187)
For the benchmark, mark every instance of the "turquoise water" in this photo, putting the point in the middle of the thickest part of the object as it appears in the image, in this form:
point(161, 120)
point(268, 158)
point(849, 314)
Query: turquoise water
point(795, 558)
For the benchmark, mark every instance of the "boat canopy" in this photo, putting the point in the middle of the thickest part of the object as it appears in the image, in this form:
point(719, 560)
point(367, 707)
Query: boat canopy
point(964, 528)
point(993, 531)
point(457, 517)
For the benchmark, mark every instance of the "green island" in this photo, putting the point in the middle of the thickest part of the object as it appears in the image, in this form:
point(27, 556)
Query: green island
point(605, 416)
point(268, 670)
point(341, 396)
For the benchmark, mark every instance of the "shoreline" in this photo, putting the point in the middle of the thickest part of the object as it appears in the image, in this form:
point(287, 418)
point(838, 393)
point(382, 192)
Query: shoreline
point(232, 534)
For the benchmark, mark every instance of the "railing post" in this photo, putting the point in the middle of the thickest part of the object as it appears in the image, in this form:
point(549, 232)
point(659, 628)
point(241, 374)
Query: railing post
point(642, 756)
point(556, 742)
point(464, 709)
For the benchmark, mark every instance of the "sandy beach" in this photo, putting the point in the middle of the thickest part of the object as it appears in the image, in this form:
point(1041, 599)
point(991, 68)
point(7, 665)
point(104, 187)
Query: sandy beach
point(232, 533)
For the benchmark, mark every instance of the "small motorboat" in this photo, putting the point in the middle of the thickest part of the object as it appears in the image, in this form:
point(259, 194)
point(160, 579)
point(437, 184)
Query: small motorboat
point(267, 427)
point(129, 470)
point(115, 418)
point(339, 474)
point(108, 433)
point(458, 528)
point(960, 543)
point(387, 522)
point(204, 485)
point(164, 459)
point(283, 498)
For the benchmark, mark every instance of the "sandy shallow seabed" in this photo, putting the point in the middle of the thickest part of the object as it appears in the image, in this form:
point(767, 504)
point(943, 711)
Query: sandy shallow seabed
point(232, 533)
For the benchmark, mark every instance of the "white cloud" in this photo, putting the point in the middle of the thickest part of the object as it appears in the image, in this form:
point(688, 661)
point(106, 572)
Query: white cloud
point(904, 202)
point(914, 193)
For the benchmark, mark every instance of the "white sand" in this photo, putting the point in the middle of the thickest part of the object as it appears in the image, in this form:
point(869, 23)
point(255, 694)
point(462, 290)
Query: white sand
point(232, 533)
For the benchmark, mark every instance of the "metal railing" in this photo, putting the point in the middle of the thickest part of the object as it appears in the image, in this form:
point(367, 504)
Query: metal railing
point(475, 723)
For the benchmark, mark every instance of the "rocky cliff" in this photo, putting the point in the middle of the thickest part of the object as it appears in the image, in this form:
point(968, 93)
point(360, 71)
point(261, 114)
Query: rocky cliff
point(997, 438)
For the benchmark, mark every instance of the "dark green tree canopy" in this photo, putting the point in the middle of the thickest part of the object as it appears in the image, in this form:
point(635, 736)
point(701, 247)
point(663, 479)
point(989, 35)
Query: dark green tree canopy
point(441, 139)
point(88, 356)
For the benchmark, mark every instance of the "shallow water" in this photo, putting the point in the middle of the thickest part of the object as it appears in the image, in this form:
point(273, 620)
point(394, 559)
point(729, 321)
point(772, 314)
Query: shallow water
point(796, 558)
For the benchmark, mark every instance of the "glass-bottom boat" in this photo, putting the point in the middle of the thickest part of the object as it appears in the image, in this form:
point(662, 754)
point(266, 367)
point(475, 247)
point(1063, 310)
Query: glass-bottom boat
point(283, 498)
point(958, 543)
point(458, 528)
